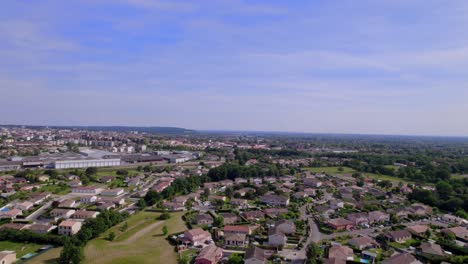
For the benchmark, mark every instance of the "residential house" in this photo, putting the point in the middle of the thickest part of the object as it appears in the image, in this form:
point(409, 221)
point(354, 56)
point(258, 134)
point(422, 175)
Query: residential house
point(106, 206)
point(10, 214)
point(117, 201)
point(84, 214)
point(75, 183)
point(240, 180)
point(88, 199)
point(24, 206)
point(420, 209)
point(399, 236)
point(276, 238)
point(62, 213)
point(401, 258)
point(43, 178)
point(38, 198)
point(87, 190)
point(196, 237)
point(448, 218)
point(69, 227)
point(211, 186)
point(418, 230)
point(340, 252)
point(255, 255)
point(180, 199)
point(362, 243)
point(14, 226)
point(209, 255)
point(172, 206)
point(113, 192)
point(41, 228)
point(229, 218)
point(253, 215)
point(431, 251)
point(378, 217)
point(256, 181)
point(346, 193)
point(237, 229)
point(241, 203)
point(340, 224)
point(336, 204)
point(7, 257)
point(217, 198)
point(275, 200)
point(358, 219)
point(275, 212)
point(402, 213)
point(67, 204)
point(312, 182)
point(286, 226)
point(203, 219)
point(106, 179)
point(460, 232)
point(235, 239)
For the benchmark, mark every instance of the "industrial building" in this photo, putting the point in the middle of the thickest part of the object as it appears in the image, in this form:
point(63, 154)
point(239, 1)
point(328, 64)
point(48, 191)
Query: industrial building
point(85, 163)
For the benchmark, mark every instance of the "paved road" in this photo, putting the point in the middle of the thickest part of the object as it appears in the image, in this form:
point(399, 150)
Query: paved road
point(38, 212)
point(314, 236)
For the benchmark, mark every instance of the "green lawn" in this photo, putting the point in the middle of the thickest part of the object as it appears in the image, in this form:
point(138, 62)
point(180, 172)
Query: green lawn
point(113, 172)
point(49, 257)
point(55, 189)
point(347, 170)
point(330, 170)
point(142, 242)
point(386, 177)
point(21, 249)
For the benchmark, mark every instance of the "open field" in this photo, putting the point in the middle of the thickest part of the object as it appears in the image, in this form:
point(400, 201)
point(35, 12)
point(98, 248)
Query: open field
point(142, 242)
point(386, 177)
point(48, 257)
point(347, 170)
point(20, 248)
point(330, 170)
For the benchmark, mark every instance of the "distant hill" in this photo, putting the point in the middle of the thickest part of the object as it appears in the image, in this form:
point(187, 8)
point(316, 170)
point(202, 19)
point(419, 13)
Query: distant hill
point(154, 130)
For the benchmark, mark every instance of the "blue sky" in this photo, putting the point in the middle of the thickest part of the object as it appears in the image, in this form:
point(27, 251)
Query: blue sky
point(384, 67)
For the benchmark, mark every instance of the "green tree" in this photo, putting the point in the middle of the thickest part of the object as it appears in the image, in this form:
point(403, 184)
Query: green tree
point(164, 216)
point(111, 236)
point(218, 221)
point(91, 171)
point(313, 253)
point(444, 190)
point(235, 259)
point(165, 230)
point(71, 253)
point(124, 227)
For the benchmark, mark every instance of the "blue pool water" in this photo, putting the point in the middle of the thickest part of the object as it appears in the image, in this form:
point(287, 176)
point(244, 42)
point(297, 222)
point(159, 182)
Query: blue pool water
point(364, 260)
point(6, 209)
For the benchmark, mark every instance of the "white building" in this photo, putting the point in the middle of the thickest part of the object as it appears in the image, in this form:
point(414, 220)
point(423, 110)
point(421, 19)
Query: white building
point(85, 163)
point(69, 227)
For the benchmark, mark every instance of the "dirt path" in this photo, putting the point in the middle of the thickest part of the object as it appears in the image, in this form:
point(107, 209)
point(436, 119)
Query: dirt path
point(139, 234)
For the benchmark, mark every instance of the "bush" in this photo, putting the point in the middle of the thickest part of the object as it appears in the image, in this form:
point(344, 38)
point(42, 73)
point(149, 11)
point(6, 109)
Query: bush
point(164, 216)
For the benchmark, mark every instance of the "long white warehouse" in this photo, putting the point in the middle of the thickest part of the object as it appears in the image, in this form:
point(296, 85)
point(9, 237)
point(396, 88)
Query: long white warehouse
point(85, 163)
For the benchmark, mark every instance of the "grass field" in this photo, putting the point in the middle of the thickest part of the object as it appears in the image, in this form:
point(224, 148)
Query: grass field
point(55, 189)
point(21, 249)
point(142, 242)
point(347, 170)
point(331, 170)
point(48, 257)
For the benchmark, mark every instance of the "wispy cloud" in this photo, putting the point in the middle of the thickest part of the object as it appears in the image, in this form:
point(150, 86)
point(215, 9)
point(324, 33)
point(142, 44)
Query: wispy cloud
point(29, 35)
